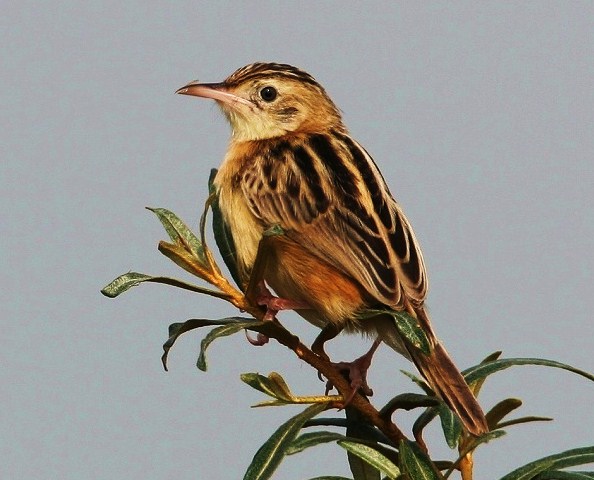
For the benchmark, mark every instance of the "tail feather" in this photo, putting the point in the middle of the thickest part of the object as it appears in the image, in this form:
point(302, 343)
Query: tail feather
point(438, 370)
point(447, 382)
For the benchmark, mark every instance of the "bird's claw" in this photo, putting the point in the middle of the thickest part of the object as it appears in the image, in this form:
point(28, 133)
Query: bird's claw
point(357, 374)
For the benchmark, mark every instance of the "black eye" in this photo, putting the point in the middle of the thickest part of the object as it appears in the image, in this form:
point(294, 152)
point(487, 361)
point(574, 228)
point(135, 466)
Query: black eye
point(268, 94)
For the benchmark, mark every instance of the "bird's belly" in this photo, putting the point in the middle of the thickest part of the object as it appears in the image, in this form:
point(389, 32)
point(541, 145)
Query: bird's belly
point(295, 274)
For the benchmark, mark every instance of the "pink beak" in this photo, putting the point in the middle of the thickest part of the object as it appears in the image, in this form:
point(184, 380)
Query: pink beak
point(216, 91)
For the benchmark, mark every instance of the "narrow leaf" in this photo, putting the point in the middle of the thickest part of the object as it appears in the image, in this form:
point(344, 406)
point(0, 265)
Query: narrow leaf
point(326, 422)
point(481, 371)
point(270, 455)
point(484, 438)
point(415, 463)
point(424, 419)
point(450, 424)
point(372, 457)
point(268, 385)
point(421, 383)
point(408, 401)
point(274, 231)
point(476, 386)
point(177, 329)
point(186, 260)
point(569, 458)
point(517, 421)
point(410, 329)
point(358, 429)
point(179, 233)
point(128, 280)
point(492, 357)
point(502, 409)
point(222, 331)
point(281, 389)
point(564, 475)
point(312, 439)
point(407, 326)
point(360, 469)
point(222, 234)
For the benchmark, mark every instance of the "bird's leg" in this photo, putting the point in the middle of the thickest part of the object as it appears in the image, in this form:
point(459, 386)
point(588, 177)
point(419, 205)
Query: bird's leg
point(329, 332)
point(275, 304)
point(258, 293)
point(357, 370)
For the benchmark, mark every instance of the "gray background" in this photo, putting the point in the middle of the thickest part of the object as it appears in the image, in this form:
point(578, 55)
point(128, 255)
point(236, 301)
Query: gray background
point(480, 118)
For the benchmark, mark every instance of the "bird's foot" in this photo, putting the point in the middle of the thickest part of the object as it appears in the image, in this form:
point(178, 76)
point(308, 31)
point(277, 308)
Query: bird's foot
point(357, 371)
point(275, 304)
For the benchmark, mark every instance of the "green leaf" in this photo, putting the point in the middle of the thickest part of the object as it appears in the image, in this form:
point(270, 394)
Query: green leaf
point(312, 439)
point(476, 386)
point(483, 370)
point(517, 421)
point(407, 326)
point(485, 438)
point(273, 385)
point(179, 233)
point(569, 458)
point(415, 463)
point(222, 331)
point(359, 429)
point(492, 357)
point(360, 469)
point(222, 234)
point(131, 279)
point(420, 382)
point(177, 329)
point(327, 422)
point(274, 231)
point(184, 259)
point(258, 382)
point(270, 455)
point(424, 419)
point(561, 475)
point(450, 424)
point(408, 401)
point(502, 409)
point(372, 457)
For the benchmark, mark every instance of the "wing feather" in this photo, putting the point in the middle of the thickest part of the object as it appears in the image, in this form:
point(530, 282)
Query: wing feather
point(328, 195)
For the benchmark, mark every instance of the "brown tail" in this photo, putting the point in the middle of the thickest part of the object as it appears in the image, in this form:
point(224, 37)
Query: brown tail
point(440, 373)
point(445, 380)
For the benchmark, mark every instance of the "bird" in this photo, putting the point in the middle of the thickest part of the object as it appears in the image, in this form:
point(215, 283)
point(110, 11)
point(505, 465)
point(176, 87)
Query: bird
point(346, 246)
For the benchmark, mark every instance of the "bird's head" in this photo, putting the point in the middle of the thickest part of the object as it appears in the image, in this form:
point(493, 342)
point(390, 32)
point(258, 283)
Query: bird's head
point(266, 100)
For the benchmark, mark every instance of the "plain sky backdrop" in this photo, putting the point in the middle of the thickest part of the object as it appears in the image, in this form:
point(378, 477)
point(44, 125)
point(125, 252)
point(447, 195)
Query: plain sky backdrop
point(481, 117)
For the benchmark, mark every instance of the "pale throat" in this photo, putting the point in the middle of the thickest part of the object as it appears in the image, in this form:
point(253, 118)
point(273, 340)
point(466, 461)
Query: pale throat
point(253, 127)
point(246, 131)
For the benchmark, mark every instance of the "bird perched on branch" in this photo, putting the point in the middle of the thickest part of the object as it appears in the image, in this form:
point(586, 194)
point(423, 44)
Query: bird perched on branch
point(346, 245)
